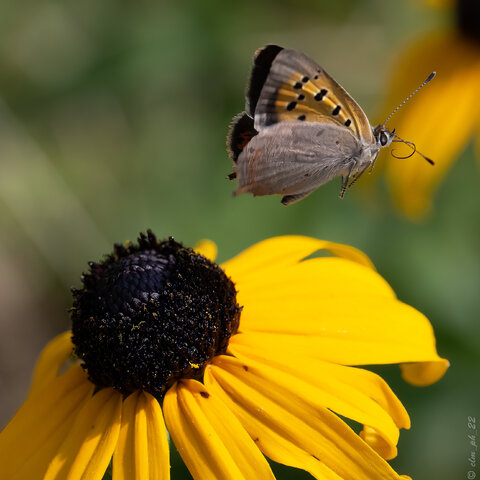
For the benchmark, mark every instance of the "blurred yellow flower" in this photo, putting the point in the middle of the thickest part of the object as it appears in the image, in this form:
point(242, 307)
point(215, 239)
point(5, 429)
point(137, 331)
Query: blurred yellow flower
point(444, 116)
point(270, 389)
point(440, 3)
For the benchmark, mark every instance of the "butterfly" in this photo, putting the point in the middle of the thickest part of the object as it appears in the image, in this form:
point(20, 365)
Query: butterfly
point(300, 129)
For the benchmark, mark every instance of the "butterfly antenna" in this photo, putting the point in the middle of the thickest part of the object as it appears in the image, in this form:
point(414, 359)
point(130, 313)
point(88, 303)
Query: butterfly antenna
point(430, 77)
point(414, 148)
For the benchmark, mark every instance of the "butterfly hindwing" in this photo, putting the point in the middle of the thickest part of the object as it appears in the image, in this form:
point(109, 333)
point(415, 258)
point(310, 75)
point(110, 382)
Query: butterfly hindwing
point(295, 88)
point(294, 158)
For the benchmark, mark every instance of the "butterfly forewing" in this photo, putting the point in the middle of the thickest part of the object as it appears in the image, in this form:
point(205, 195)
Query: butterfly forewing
point(298, 89)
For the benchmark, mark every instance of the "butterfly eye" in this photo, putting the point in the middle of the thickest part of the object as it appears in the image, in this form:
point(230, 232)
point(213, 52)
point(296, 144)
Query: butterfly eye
point(383, 139)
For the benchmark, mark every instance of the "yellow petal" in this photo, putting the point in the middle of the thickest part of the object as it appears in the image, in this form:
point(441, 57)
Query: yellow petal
point(142, 451)
point(270, 412)
point(207, 248)
point(36, 431)
point(88, 448)
point(440, 120)
point(426, 373)
point(53, 356)
point(338, 317)
point(351, 392)
point(277, 253)
point(348, 331)
point(211, 441)
point(378, 442)
point(36, 465)
point(311, 281)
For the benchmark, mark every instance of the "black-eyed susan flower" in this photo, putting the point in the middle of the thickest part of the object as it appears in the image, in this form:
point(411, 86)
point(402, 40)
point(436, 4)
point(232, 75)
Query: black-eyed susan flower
point(252, 358)
point(445, 116)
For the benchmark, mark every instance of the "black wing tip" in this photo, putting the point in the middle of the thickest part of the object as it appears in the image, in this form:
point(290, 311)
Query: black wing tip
point(240, 133)
point(263, 59)
point(267, 53)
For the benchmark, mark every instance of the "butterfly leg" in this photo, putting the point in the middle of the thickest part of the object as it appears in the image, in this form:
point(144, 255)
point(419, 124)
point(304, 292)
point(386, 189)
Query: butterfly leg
point(346, 178)
point(357, 176)
point(373, 162)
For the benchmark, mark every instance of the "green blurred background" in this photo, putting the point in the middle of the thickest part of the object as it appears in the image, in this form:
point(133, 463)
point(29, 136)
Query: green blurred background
point(113, 117)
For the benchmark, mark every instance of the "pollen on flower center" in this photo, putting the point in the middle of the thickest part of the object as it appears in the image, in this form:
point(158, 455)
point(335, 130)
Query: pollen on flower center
point(150, 314)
